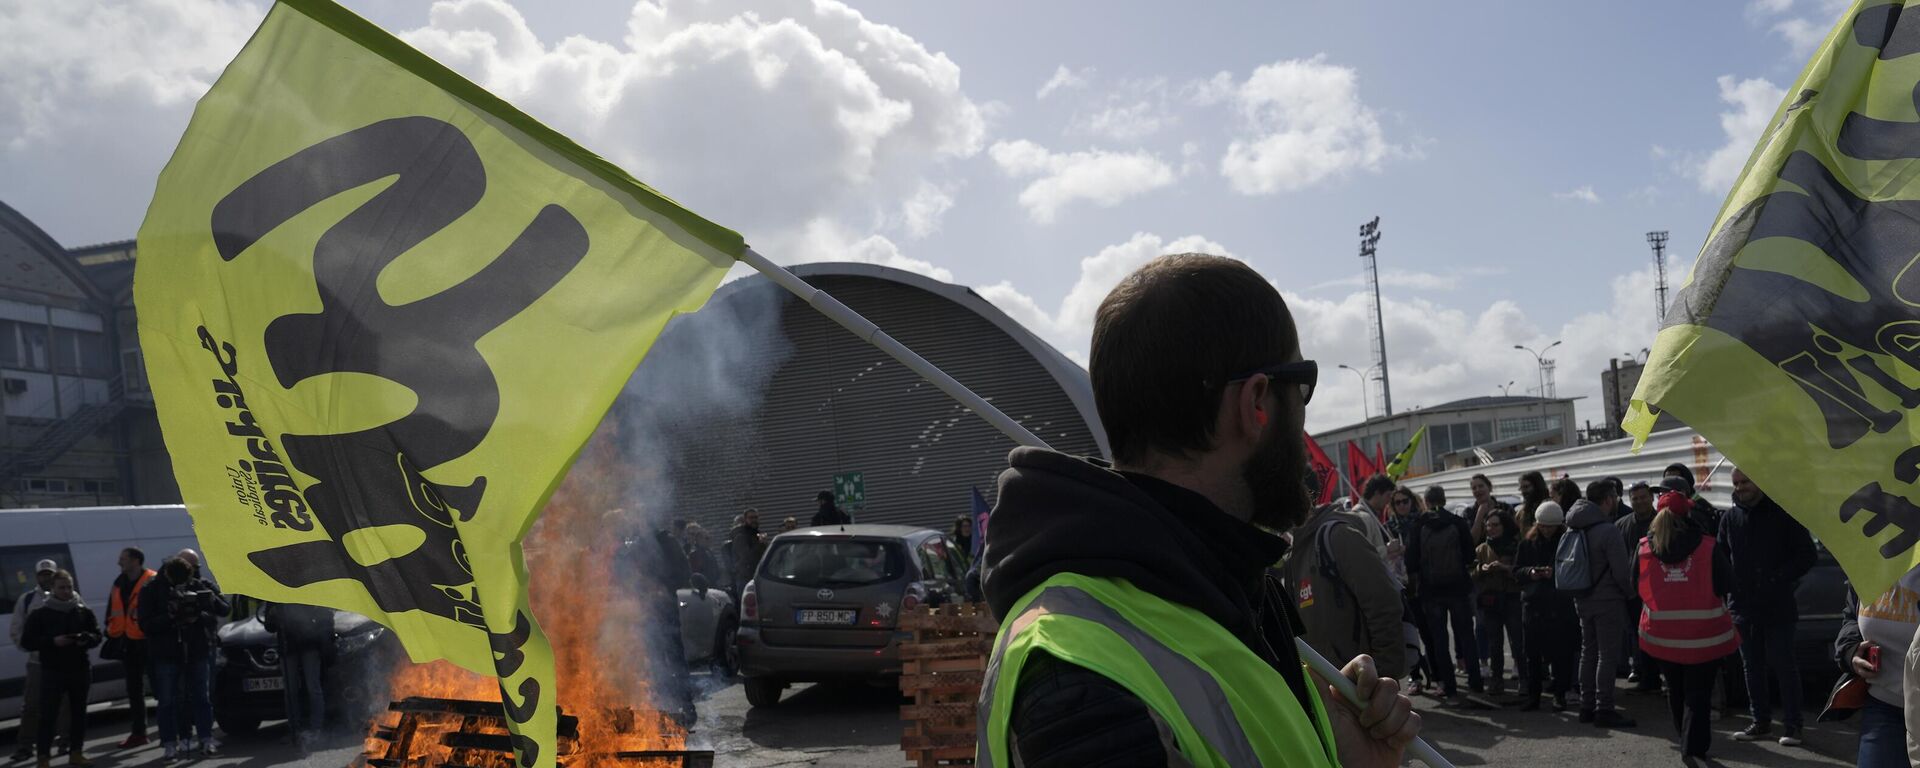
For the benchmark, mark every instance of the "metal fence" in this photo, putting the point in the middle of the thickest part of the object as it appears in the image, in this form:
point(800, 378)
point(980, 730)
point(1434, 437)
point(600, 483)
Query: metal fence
point(1614, 458)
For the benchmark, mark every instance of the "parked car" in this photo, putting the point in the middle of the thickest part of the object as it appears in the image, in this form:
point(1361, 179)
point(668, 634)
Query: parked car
point(248, 688)
point(824, 603)
point(709, 624)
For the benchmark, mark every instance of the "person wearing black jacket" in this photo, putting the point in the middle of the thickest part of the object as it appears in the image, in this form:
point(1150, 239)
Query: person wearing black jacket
point(828, 513)
point(180, 614)
point(1551, 627)
point(1440, 564)
point(1645, 673)
point(1197, 377)
point(1770, 552)
point(62, 629)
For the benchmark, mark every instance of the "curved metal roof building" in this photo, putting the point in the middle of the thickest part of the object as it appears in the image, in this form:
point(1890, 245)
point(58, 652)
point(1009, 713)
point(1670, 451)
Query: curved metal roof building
point(759, 401)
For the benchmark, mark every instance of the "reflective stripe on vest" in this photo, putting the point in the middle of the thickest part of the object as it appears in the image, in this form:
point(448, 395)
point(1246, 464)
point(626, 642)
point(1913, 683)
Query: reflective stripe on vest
point(124, 621)
point(1728, 636)
point(1682, 620)
point(1068, 618)
point(1708, 613)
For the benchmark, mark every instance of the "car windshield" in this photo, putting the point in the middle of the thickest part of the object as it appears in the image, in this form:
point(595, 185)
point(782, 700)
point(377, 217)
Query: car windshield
point(826, 563)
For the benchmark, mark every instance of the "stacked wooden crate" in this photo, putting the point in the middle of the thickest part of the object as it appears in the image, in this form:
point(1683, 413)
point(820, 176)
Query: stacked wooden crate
point(941, 667)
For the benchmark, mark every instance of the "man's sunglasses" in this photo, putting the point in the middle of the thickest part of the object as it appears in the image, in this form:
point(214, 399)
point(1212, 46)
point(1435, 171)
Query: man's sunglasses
point(1305, 374)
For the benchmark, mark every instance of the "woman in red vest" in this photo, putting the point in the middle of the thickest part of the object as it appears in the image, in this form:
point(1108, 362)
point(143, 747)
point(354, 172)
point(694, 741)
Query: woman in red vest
point(1684, 625)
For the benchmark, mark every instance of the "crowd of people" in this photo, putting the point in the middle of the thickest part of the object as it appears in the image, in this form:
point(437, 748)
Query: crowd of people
point(160, 625)
point(1588, 588)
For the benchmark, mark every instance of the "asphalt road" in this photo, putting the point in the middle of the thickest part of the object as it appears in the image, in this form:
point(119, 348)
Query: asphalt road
point(858, 727)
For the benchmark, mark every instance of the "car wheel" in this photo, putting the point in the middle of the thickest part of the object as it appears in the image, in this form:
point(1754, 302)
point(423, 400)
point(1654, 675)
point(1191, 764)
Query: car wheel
point(238, 723)
point(763, 691)
point(726, 654)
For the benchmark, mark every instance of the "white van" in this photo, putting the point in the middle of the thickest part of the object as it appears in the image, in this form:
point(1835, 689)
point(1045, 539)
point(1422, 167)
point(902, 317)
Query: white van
point(86, 541)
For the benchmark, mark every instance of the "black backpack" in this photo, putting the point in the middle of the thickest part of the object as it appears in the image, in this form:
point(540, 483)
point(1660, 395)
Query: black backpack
point(1441, 563)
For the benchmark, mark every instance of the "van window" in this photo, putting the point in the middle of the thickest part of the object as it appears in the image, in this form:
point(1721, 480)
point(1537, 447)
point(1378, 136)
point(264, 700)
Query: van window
point(16, 568)
point(834, 562)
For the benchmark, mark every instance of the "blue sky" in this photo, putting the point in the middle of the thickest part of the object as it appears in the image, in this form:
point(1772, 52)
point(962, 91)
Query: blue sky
point(1515, 152)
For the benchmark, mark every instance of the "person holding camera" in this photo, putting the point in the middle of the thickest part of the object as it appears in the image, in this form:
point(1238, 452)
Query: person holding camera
point(62, 629)
point(179, 612)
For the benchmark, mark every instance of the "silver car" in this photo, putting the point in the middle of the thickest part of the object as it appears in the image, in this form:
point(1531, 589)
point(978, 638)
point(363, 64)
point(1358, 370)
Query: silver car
point(824, 603)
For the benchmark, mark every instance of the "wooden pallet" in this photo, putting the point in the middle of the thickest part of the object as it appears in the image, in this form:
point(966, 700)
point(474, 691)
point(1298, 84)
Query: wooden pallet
point(941, 667)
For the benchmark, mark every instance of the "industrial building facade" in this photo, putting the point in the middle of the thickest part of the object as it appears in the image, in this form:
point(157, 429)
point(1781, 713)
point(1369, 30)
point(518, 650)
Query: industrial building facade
point(1503, 427)
point(80, 428)
point(802, 401)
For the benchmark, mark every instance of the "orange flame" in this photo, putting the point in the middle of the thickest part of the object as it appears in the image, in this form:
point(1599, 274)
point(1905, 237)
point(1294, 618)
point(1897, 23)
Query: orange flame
point(575, 596)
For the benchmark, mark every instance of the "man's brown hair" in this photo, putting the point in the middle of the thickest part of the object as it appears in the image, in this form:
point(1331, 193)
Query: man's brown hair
point(1165, 343)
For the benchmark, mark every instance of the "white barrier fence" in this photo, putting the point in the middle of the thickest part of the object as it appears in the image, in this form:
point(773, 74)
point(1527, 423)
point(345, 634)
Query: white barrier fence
point(1587, 463)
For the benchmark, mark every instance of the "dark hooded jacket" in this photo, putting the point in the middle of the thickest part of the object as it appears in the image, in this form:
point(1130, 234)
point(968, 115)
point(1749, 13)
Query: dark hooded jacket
point(1612, 569)
point(1770, 552)
point(1060, 514)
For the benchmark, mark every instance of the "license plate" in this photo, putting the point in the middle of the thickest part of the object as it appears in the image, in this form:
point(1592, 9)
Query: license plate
point(254, 684)
point(815, 616)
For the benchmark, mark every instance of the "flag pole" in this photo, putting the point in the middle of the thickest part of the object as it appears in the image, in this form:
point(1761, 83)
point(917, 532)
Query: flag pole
point(865, 329)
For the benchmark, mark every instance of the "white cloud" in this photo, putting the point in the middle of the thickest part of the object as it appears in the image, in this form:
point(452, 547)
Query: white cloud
point(1583, 193)
point(827, 240)
point(1064, 79)
point(1129, 122)
point(1302, 123)
point(1803, 35)
point(1439, 353)
point(922, 212)
point(64, 66)
point(1218, 89)
point(763, 116)
point(1130, 111)
point(1070, 326)
point(1412, 280)
point(1752, 104)
point(1097, 176)
point(1759, 8)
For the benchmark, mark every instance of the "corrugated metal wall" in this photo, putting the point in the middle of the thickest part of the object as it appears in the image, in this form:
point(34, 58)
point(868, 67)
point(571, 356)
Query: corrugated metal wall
point(816, 401)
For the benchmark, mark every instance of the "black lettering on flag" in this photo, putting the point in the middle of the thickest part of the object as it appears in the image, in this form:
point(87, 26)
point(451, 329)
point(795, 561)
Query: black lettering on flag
point(1885, 509)
point(372, 477)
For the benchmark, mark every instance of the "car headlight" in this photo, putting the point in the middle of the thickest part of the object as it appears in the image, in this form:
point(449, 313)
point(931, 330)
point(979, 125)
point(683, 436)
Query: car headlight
point(350, 644)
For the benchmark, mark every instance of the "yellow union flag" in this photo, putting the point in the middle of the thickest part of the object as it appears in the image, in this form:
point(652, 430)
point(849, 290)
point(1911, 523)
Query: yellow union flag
point(1795, 344)
point(382, 310)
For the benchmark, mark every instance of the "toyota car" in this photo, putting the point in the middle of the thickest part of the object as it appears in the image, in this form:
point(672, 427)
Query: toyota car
point(825, 602)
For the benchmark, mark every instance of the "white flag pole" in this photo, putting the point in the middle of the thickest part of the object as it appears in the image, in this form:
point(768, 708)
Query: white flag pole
point(865, 329)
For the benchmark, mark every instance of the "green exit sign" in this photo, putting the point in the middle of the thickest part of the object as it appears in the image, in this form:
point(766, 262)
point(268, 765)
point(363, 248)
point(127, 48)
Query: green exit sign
point(850, 489)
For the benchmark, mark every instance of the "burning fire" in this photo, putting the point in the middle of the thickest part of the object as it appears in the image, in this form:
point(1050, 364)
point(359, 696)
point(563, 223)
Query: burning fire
point(594, 621)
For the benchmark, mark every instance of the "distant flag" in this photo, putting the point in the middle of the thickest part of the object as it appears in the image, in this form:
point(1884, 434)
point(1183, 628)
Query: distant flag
point(381, 311)
point(1404, 459)
point(1379, 457)
point(1795, 344)
point(1324, 471)
point(980, 513)
point(1359, 467)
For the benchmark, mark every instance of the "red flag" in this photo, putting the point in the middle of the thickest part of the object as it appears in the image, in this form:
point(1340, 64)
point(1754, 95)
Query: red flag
point(1359, 467)
point(1379, 457)
point(1324, 469)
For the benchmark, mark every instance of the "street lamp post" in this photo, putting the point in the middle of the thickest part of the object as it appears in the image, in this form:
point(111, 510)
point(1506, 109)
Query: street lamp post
point(1540, 359)
point(1365, 415)
point(1505, 389)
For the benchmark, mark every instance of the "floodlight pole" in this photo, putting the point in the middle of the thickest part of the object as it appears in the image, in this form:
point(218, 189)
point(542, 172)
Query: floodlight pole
point(865, 329)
